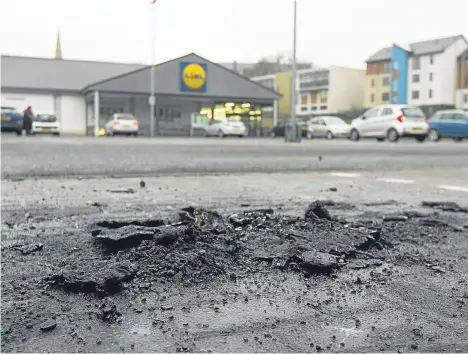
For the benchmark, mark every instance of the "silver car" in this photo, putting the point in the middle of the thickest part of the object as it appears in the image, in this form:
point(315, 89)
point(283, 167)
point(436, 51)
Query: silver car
point(328, 127)
point(122, 123)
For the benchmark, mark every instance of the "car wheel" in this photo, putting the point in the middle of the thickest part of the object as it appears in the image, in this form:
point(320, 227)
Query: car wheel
point(354, 135)
point(420, 139)
point(56, 134)
point(392, 135)
point(329, 135)
point(380, 139)
point(310, 136)
point(457, 140)
point(19, 132)
point(434, 135)
point(241, 136)
point(221, 134)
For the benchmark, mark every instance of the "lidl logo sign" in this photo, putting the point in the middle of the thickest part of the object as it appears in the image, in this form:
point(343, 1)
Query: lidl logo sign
point(193, 77)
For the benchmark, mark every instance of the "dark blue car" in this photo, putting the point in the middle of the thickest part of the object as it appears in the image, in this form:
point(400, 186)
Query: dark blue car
point(12, 120)
point(449, 124)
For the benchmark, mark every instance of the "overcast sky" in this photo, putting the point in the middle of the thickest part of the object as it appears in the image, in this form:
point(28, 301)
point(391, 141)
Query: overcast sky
point(340, 32)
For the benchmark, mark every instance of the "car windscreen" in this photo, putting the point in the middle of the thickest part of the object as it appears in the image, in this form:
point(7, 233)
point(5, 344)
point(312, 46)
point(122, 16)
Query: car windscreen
point(125, 117)
point(334, 121)
point(46, 118)
point(413, 112)
point(8, 110)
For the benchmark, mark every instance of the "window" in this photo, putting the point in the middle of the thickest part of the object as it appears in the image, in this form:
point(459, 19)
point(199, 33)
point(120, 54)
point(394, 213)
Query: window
point(386, 81)
point(430, 93)
point(431, 76)
point(386, 112)
point(395, 85)
point(416, 63)
point(395, 65)
point(304, 99)
point(385, 96)
point(466, 81)
point(323, 107)
point(372, 83)
point(465, 98)
point(459, 116)
point(314, 108)
point(415, 95)
point(372, 97)
point(431, 59)
point(416, 78)
point(371, 113)
point(413, 112)
point(303, 109)
point(374, 67)
point(386, 67)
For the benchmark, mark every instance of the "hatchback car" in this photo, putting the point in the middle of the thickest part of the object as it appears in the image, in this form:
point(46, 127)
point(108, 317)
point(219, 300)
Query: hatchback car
point(328, 127)
point(122, 123)
point(45, 123)
point(390, 122)
point(225, 127)
point(11, 120)
point(280, 129)
point(449, 124)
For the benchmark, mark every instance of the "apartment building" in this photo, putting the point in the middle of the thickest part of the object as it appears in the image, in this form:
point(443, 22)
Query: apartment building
point(329, 90)
point(280, 82)
point(461, 95)
point(421, 73)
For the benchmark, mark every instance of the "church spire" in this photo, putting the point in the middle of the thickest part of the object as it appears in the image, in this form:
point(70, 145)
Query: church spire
point(58, 47)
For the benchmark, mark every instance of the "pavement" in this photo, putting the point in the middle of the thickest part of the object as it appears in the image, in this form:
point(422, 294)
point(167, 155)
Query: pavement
point(405, 290)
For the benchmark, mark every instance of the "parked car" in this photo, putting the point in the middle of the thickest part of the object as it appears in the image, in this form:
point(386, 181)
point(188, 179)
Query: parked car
point(122, 123)
point(328, 127)
point(449, 124)
point(390, 122)
point(225, 127)
point(12, 120)
point(45, 123)
point(280, 129)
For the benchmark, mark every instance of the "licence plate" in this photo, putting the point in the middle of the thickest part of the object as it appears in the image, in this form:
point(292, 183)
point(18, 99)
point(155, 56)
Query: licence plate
point(236, 131)
point(45, 129)
point(6, 118)
point(417, 129)
point(126, 126)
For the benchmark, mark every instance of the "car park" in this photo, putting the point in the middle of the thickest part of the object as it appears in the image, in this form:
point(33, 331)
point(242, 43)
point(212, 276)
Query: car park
point(225, 127)
point(328, 127)
point(11, 120)
point(390, 122)
point(45, 123)
point(122, 124)
point(449, 124)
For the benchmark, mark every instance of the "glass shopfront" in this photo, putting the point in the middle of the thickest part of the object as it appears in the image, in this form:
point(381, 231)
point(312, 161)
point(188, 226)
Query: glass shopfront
point(249, 114)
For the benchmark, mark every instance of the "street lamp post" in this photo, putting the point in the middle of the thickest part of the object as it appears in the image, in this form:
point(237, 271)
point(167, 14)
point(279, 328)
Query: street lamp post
point(293, 79)
point(152, 98)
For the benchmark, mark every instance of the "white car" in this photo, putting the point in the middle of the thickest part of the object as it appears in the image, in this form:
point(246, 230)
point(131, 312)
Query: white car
point(225, 127)
point(329, 127)
point(390, 122)
point(45, 123)
point(122, 123)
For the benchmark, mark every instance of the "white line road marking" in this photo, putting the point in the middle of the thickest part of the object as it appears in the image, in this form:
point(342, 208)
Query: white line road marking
point(344, 174)
point(396, 180)
point(454, 188)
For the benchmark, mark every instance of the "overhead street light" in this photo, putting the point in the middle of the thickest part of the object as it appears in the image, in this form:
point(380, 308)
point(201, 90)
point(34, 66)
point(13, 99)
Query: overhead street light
point(293, 133)
point(152, 98)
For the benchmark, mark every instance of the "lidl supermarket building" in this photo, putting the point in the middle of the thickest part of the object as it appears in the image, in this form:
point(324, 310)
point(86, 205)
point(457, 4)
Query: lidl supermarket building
point(189, 91)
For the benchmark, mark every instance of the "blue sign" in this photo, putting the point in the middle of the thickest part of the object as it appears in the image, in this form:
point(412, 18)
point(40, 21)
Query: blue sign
point(193, 77)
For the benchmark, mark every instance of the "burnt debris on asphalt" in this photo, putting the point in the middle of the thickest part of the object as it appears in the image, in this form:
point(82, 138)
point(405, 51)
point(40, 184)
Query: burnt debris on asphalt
point(125, 267)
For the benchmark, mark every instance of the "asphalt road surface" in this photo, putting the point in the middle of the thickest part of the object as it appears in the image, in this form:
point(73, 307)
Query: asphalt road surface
point(88, 267)
point(59, 156)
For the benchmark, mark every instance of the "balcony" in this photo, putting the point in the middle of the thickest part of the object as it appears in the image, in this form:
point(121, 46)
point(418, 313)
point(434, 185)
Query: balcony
point(314, 85)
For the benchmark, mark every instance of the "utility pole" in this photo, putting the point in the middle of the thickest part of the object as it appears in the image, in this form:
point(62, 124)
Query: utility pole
point(293, 79)
point(152, 98)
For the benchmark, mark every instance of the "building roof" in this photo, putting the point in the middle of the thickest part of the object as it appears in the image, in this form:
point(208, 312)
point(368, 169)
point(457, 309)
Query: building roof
point(221, 82)
point(418, 48)
point(57, 74)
